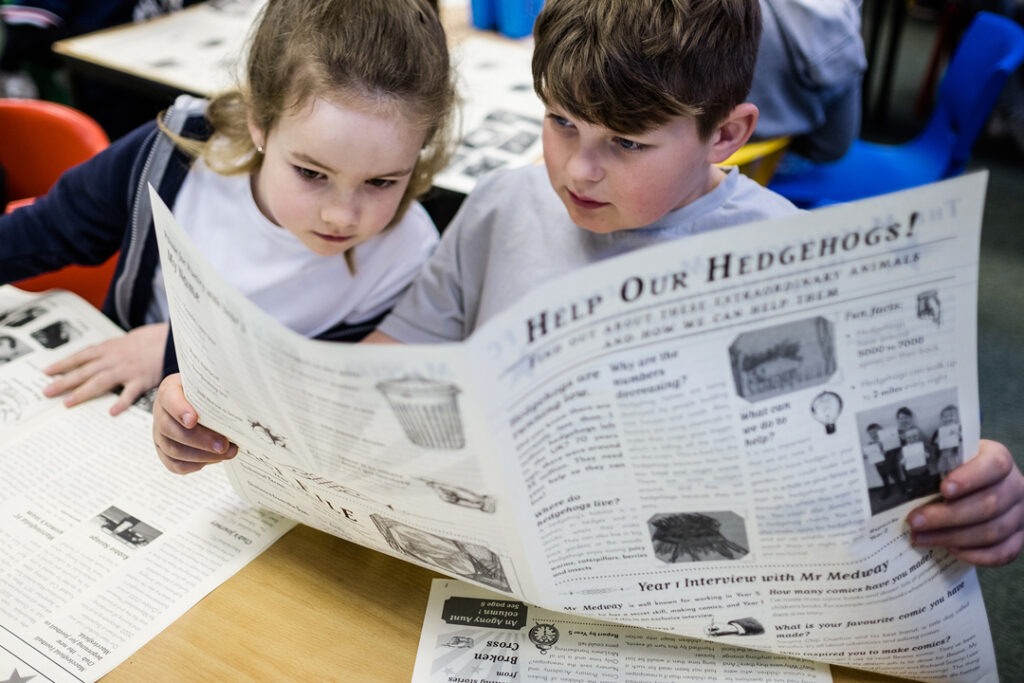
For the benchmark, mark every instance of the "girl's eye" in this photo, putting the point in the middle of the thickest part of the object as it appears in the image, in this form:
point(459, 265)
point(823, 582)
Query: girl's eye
point(630, 145)
point(381, 182)
point(308, 173)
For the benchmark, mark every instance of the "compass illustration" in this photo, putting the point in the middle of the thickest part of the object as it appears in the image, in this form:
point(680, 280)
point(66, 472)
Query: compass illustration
point(543, 636)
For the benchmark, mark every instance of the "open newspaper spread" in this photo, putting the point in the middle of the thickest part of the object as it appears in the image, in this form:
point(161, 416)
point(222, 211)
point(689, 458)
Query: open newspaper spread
point(719, 437)
point(100, 547)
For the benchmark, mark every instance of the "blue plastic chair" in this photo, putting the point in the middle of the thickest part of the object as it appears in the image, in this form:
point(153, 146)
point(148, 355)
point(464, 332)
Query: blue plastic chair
point(990, 50)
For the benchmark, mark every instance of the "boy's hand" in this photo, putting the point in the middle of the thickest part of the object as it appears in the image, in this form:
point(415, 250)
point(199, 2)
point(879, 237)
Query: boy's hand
point(134, 362)
point(182, 444)
point(981, 520)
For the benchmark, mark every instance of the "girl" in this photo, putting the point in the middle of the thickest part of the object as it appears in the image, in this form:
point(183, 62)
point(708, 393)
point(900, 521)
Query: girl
point(298, 186)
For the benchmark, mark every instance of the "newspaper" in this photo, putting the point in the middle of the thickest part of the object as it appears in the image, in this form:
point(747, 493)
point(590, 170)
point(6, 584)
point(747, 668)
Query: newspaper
point(678, 439)
point(461, 643)
point(100, 547)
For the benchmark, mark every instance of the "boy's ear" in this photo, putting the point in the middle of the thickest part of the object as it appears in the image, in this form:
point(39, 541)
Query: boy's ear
point(733, 132)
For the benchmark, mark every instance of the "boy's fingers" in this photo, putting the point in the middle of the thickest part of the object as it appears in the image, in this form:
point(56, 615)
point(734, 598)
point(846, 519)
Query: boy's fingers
point(981, 506)
point(992, 464)
point(995, 556)
point(985, 533)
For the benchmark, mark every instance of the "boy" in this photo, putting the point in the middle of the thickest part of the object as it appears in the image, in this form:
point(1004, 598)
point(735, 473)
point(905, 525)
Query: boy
point(630, 139)
point(643, 97)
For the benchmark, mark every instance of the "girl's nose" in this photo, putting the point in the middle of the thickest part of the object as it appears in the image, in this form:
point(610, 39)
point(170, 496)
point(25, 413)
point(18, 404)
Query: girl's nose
point(340, 211)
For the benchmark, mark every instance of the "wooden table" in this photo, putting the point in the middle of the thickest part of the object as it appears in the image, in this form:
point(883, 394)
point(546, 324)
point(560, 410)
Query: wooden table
point(311, 608)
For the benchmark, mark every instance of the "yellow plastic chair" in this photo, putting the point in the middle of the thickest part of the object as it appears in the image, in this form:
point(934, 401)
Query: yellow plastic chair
point(758, 160)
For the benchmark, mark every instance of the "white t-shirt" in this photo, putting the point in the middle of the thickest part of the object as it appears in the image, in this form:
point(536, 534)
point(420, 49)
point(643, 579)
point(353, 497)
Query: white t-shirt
point(306, 292)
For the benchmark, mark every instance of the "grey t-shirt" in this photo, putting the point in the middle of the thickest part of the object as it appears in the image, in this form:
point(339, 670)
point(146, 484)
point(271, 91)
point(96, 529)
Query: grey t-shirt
point(513, 233)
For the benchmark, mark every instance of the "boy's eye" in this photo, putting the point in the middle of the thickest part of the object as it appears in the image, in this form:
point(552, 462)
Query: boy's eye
point(630, 145)
point(308, 173)
point(381, 182)
point(560, 121)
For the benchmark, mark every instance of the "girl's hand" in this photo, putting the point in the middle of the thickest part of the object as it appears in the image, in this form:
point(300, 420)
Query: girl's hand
point(134, 361)
point(182, 444)
point(981, 520)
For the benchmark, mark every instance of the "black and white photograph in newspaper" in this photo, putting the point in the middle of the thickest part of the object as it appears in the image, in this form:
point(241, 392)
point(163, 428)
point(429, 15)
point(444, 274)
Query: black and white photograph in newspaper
point(908, 446)
point(12, 348)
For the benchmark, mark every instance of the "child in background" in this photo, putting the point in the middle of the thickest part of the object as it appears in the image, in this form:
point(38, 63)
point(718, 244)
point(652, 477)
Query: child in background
point(947, 440)
point(887, 463)
point(918, 459)
point(298, 187)
point(807, 83)
point(643, 97)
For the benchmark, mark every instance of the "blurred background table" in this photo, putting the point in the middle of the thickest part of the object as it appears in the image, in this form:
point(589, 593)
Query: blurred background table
point(195, 50)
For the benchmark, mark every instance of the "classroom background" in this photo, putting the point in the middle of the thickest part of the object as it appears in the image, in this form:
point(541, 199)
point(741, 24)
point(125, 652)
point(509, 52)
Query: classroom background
point(891, 117)
point(1000, 299)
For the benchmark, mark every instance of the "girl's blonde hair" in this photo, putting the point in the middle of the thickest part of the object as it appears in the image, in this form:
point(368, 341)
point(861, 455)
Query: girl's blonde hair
point(390, 53)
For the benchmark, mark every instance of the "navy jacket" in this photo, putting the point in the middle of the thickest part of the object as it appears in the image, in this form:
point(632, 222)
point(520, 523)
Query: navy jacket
point(102, 205)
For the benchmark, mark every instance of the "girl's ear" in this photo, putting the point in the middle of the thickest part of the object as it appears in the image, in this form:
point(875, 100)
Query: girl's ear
point(733, 132)
point(256, 133)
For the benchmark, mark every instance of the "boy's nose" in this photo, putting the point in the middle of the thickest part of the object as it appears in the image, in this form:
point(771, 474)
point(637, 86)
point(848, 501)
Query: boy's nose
point(585, 166)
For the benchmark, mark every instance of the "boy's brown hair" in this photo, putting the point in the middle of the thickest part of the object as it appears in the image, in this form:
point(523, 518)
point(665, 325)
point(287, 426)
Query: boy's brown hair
point(630, 65)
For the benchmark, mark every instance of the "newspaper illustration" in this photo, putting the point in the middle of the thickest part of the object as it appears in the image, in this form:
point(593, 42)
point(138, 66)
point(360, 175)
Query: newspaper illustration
point(470, 634)
point(671, 438)
point(102, 547)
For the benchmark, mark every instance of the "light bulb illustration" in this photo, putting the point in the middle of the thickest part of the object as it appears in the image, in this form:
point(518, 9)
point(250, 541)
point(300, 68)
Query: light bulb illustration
point(825, 408)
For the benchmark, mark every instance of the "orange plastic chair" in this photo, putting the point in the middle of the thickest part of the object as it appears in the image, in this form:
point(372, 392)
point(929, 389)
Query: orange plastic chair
point(40, 140)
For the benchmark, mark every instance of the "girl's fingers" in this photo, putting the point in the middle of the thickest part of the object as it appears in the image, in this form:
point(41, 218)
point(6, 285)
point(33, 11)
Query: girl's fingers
point(69, 380)
point(182, 444)
point(93, 386)
point(73, 361)
point(170, 399)
point(127, 397)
